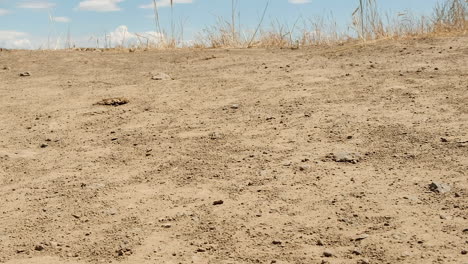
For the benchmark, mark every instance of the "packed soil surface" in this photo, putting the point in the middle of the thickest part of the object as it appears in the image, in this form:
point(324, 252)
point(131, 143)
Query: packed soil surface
point(346, 154)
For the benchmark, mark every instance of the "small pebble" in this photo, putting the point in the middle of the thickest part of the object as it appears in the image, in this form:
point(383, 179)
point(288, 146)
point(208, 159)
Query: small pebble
point(328, 254)
point(219, 202)
point(39, 247)
point(361, 237)
point(25, 74)
point(438, 187)
point(161, 77)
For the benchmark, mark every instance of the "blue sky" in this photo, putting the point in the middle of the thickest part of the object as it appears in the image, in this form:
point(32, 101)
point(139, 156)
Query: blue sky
point(27, 23)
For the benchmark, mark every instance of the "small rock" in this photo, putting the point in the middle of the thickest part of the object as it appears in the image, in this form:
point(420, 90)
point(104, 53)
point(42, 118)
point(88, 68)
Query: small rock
point(328, 254)
point(124, 251)
point(54, 244)
point(277, 242)
point(166, 226)
point(361, 237)
point(349, 157)
point(444, 140)
point(235, 106)
point(161, 77)
point(304, 167)
point(440, 187)
point(320, 243)
point(113, 101)
point(464, 252)
point(356, 252)
point(111, 211)
point(25, 74)
point(215, 135)
point(6, 68)
point(445, 217)
point(219, 202)
point(39, 247)
point(44, 145)
point(363, 261)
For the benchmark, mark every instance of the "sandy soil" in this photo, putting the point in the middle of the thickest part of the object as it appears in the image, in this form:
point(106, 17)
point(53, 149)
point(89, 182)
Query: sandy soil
point(235, 160)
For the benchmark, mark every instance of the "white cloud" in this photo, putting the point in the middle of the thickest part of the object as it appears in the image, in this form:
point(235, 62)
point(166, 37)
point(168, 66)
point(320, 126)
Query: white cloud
point(122, 37)
point(36, 5)
point(100, 5)
point(61, 19)
point(3, 12)
point(166, 3)
point(298, 2)
point(14, 40)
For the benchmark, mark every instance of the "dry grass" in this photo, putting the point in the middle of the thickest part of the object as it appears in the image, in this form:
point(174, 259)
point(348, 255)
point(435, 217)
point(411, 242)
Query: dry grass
point(451, 16)
point(368, 24)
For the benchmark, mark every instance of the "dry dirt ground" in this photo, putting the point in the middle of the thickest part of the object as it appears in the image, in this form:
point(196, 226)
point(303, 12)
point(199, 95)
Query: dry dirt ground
point(235, 160)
